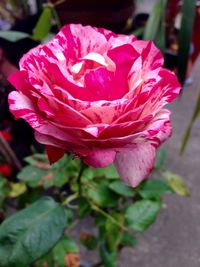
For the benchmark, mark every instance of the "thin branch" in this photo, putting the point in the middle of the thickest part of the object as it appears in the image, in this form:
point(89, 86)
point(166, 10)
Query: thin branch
point(107, 215)
point(79, 178)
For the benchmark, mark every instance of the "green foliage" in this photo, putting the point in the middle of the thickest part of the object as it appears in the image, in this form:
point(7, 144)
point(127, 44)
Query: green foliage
point(83, 207)
point(109, 258)
point(57, 256)
point(13, 36)
point(155, 28)
point(4, 189)
point(113, 234)
point(40, 173)
point(185, 35)
point(31, 175)
point(187, 134)
point(154, 189)
point(128, 240)
point(101, 195)
point(30, 233)
point(161, 159)
point(120, 188)
point(118, 211)
point(177, 183)
point(142, 214)
point(108, 172)
point(89, 241)
point(43, 25)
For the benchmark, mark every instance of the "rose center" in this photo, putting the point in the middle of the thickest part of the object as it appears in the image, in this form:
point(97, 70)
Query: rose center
point(90, 62)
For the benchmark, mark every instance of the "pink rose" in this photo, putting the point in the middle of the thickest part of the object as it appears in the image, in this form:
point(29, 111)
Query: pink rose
point(98, 95)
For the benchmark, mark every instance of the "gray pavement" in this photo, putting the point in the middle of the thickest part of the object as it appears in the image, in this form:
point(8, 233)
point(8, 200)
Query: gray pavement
point(174, 240)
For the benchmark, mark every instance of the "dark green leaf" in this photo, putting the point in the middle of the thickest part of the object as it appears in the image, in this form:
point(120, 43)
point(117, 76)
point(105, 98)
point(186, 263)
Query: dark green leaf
point(83, 207)
point(109, 258)
point(31, 233)
point(185, 34)
point(154, 189)
point(128, 240)
point(100, 221)
point(47, 260)
point(142, 214)
point(4, 189)
point(102, 195)
point(70, 215)
point(121, 189)
point(43, 25)
point(29, 197)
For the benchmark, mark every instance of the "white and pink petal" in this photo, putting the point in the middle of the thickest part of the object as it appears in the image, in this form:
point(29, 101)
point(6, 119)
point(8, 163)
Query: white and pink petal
point(134, 165)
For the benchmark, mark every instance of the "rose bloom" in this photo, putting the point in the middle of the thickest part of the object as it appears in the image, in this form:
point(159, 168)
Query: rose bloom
point(98, 95)
point(5, 170)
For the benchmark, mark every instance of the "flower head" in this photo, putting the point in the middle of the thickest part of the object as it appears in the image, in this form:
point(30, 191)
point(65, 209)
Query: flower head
point(99, 95)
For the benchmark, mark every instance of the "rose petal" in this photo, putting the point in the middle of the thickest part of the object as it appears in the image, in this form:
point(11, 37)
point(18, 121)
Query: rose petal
point(134, 165)
point(54, 153)
point(100, 158)
point(19, 80)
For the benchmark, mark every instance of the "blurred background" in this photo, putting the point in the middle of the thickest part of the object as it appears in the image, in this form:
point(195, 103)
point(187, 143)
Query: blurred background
point(175, 28)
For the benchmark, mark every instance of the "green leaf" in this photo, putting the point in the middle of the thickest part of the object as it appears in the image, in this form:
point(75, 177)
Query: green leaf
point(154, 189)
point(177, 184)
point(142, 214)
point(40, 173)
point(64, 246)
point(4, 189)
point(57, 257)
point(60, 178)
point(31, 175)
point(121, 189)
point(155, 28)
point(83, 207)
point(102, 195)
point(61, 171)
point(43, 25)
point(35, 158)
point(70, 245)
point(100, 221)
point(161, 158)
point(108, 172)
point(185, 34)
point(128, 240)
point(17, 189)
point(89, 241)
point(13, 36)
point(138, 32)
point(46, 260)
point(112, 232)
point(109, 259)
point(31, 233)
point(187, 134)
